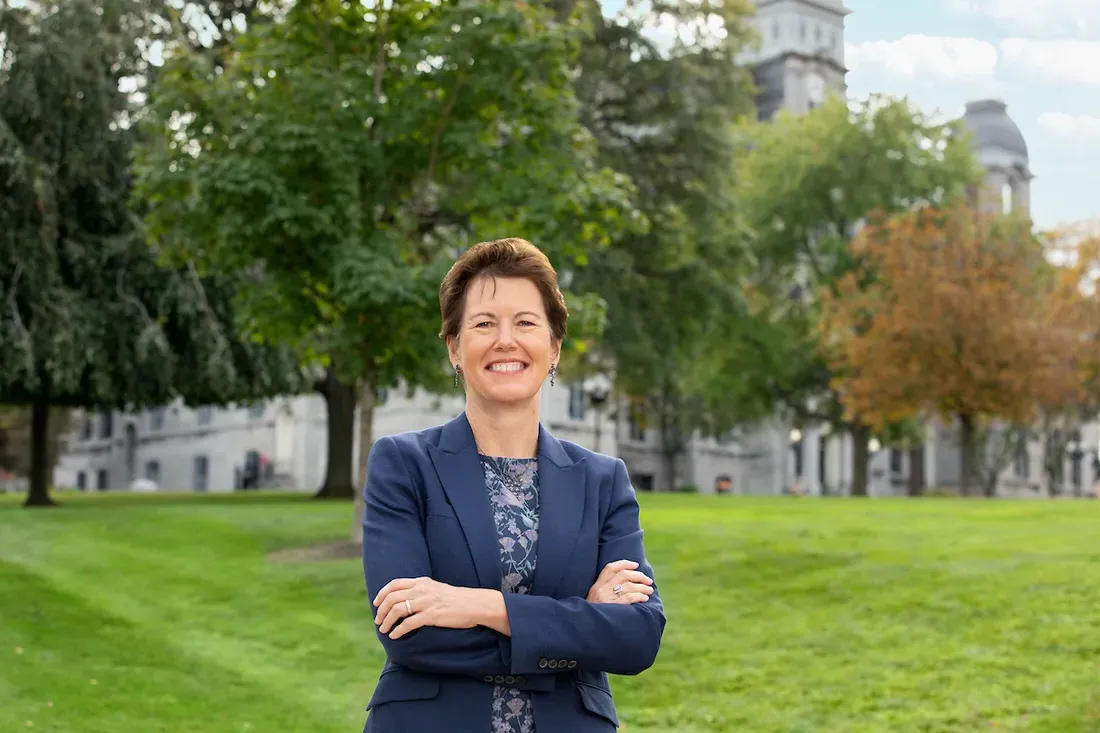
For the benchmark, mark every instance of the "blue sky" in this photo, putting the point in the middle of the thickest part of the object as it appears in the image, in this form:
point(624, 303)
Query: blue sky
point(1042, 57)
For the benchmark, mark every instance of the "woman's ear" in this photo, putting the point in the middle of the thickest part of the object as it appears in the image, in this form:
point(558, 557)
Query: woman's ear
point(452, 349)
point(555, 351)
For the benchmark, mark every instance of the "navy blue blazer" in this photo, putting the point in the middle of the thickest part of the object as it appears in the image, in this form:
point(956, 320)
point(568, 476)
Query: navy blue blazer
point(428, 514)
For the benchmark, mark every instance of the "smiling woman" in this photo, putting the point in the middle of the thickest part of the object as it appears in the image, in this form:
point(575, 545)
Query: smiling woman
point(504, 320)
point(506, 567)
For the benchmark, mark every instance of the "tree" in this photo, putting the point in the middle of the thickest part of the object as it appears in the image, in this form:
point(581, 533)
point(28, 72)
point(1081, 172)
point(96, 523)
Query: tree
point(806, 184)
point(664, 116)
point(89, 318)
point(344, 158)
point(953, 321)
point(1067, 396)
point(15, 439)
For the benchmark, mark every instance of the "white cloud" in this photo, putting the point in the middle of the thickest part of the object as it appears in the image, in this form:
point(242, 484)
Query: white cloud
point(1076, 128)
point(1065, 62)
point(1036, 16)
point(972, 61)
point(920, 56)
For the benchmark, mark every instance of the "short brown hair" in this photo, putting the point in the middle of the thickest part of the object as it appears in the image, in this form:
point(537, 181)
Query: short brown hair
point(501, 258)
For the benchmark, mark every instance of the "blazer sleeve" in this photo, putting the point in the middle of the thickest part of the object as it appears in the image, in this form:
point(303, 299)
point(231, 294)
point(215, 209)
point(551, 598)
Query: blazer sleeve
point(607, 637)
point(394, 546)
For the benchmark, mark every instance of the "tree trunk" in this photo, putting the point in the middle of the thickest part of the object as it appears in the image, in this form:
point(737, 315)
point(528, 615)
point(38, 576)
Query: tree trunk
point(861, 434)
point(39, 491)
point(915, 483)
point(368, 395)
point(340, 402)
point(670, 468)
point(968, 450)
point(1054, 455)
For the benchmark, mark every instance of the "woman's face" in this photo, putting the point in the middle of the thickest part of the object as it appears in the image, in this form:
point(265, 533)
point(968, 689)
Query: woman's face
point(505, 347)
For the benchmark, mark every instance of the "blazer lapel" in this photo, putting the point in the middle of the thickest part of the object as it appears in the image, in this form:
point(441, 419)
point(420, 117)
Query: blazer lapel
point(562, 494)
point(459, 469)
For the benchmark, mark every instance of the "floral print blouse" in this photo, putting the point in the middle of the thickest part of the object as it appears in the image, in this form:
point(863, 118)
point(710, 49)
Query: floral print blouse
point(513, 485)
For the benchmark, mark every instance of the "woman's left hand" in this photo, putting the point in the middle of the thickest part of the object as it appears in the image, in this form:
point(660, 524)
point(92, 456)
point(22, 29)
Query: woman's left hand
point(432, 604)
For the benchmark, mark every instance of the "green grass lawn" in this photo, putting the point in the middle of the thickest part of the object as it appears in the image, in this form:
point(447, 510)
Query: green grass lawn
point(150, 614)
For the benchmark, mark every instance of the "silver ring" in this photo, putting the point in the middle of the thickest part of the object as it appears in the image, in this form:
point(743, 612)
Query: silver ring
point(618, 590)
point(408, 607)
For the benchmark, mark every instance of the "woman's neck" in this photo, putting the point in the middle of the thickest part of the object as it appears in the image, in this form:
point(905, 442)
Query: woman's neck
point(505, 431)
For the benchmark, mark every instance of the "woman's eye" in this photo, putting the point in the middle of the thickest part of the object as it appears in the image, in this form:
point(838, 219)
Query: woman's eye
point(483, 324)
point(526, 323)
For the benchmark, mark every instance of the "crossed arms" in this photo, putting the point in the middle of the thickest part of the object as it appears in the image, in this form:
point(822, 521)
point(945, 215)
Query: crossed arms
point(477, 631)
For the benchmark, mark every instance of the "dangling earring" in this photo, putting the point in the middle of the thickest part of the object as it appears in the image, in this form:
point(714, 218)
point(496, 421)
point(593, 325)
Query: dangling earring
point(458, 370)
point(553, 373)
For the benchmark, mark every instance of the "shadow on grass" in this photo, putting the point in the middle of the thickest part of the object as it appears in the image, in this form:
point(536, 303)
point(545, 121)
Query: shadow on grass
point(98, 500)
point(85, 660)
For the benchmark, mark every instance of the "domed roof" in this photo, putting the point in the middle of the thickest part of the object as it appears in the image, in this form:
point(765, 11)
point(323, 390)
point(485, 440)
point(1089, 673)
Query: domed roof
point(991, 126)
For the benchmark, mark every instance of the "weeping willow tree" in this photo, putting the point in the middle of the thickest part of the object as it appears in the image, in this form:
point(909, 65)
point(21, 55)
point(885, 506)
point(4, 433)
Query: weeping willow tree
point(89, 317)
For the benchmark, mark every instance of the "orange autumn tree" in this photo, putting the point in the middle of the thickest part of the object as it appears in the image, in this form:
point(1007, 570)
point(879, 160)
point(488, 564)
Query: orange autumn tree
point(1069, 394)
point(951, 322)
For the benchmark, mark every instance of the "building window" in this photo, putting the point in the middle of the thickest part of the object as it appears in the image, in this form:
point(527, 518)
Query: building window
point(152, 471)
point(200, 478)
point(87, 431)
point(206, 415)
point(1007, 204)
point(156, 418)
point(106, 424)
point(576, 402)
point(895, 461)
point(81, 481)
point(642, 481)
point(101, 479)
point(1021, 464)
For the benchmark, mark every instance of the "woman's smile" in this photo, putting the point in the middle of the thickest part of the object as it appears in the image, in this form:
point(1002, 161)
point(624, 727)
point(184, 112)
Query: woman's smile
point(510, 366)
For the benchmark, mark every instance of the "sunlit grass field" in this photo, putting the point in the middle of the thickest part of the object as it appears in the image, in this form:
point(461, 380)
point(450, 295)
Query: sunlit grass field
point(169, 614)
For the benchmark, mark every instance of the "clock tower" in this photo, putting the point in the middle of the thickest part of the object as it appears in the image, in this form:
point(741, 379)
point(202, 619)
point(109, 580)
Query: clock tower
point(800, 56)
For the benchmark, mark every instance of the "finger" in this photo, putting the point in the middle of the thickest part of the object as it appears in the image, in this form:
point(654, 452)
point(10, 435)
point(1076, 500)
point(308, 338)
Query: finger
point(632, 598)
point(390, 587)
point(637, 588)
point(393, 608)
point(611, 568)
point(627, 590)
point(393, 618)
point(633, 576)
point(411, 623)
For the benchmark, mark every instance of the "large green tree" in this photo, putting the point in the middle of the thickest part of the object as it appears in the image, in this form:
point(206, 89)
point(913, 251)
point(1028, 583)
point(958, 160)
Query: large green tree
point(663, 104)
point(807, 182)
point(89, 317)
point(344, 158)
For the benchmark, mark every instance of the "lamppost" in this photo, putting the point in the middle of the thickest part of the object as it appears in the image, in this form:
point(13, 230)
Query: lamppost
point(598, 390)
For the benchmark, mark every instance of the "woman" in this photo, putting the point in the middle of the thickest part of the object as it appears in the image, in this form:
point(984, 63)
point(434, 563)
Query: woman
point(506, 567)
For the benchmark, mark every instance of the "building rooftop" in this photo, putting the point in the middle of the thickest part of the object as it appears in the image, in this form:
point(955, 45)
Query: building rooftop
point(991, 126)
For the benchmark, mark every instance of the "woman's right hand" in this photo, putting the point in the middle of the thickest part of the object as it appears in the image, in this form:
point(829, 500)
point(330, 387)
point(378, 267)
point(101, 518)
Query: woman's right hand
point(620, 582)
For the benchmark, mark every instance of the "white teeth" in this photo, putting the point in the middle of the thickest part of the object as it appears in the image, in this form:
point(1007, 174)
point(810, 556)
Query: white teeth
point(506, 366)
